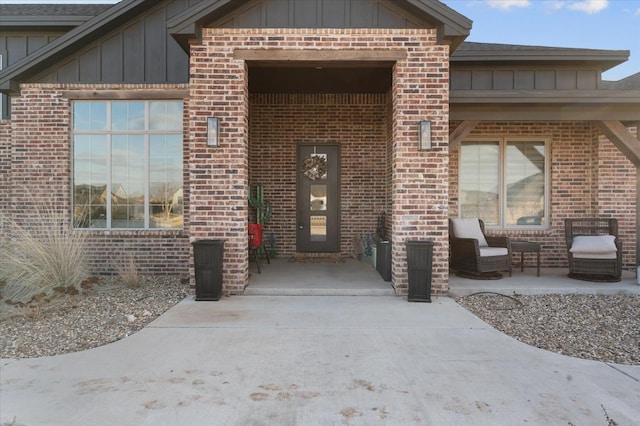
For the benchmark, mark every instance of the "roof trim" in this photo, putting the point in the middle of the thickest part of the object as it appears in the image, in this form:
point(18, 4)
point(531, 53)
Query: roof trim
point(491, 52)
point(45, 21)
point(79, 36)
point(452, 26)
point(596, 96)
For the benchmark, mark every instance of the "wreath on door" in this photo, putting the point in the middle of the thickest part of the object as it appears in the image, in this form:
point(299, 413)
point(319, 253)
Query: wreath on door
point(315, 166)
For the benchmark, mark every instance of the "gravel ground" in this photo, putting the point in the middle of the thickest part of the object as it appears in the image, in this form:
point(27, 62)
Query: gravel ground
point(602, 328)
point(109, 311)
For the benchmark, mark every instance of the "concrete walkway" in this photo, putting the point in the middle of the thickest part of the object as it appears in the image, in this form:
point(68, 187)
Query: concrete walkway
point(322, 360)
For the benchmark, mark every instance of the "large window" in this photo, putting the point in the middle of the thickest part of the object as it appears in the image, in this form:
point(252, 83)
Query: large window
point(504, 182)
point(127, 164)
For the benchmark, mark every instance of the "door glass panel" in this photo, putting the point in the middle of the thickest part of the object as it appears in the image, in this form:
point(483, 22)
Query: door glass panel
point(318, 197)
point(318, 228)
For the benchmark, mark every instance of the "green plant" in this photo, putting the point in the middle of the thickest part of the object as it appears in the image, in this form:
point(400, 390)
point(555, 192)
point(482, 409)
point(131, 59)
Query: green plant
point(41, 255)
point(263, 208)
point(381, 227)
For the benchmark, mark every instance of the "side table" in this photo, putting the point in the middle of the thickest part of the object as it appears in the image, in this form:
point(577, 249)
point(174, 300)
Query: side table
point(526, 247)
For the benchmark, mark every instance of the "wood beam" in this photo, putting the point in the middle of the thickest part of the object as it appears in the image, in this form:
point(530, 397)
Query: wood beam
point(461, 132)
point(620, 136)
point(151, 94)
point(314, 55)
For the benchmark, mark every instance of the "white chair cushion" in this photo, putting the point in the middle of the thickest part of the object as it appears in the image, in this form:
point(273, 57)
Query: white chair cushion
point(469, 228)
point(493, 251)
point(602, 256)
point(594, 245)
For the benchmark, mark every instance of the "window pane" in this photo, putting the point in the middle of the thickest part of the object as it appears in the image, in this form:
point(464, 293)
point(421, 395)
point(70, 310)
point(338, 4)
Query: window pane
point(479, 181)
point(525, 183)
point(90, 181)
point(318, 197)
point(127, 181)
point(165, 181)
point(165, 116)
point(318, 231)
point(116, 172)
point(127, 115)
point(89, 116)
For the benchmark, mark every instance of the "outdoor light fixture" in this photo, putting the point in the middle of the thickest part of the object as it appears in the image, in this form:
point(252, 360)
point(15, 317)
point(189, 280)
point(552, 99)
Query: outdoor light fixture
point(213, 131)
point(424, 135)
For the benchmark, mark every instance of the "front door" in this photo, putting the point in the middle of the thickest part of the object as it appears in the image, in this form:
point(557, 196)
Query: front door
point(318, 198)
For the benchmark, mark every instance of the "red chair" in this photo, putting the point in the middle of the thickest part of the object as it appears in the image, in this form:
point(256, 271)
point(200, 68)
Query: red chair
point(256, 244)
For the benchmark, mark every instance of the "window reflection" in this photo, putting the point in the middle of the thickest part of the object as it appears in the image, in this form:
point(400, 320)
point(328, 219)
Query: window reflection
point(479, 181)
point(504, 182)
point(318, 228)
point(318, 197)
point(128, 171)
point(525, 183)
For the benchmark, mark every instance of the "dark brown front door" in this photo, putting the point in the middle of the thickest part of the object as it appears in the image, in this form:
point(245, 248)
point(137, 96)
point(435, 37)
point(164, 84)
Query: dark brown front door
point(318, 198)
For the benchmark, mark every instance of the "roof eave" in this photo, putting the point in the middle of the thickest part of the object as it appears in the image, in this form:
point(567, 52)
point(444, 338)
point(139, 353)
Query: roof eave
point(597, 96)
point(31, 22)
point(57, 49)
point(607, 58)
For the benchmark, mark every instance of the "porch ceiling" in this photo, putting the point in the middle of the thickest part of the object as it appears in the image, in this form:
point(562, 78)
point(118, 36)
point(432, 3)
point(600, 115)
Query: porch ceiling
point(320, 77)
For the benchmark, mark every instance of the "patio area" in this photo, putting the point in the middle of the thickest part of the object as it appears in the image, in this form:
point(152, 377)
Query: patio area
point(354, 278)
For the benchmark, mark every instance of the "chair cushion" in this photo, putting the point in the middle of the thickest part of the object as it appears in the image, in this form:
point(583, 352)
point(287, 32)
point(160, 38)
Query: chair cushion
point(493, 251)
point(469, 228)
point(593, 245)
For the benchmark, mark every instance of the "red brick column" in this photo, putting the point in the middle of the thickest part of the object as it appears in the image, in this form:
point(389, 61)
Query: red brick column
point(420, 180)
point(219, 176)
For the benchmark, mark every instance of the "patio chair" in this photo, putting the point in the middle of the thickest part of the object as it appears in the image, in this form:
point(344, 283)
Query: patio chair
point(256, 244)
point(474, 254)
point(594, 249)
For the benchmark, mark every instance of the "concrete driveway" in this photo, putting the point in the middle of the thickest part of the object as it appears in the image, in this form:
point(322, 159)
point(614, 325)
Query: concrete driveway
point(321, 360)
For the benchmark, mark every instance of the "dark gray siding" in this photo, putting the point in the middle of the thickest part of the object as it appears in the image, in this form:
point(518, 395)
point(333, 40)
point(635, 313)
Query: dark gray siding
point(142, 51)
point(526, 78)
point(320, 14)
point(18, 44)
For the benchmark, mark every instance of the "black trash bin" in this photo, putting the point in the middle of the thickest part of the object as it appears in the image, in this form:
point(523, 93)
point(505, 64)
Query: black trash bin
point(419, 260)
point(383, 259)
point(207, 255)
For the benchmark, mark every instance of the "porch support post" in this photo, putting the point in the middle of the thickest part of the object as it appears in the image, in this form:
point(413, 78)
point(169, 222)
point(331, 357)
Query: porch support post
point(218, 175)
point(628, 145)
point(622, 138)
point(461, 132)
point(420, 179)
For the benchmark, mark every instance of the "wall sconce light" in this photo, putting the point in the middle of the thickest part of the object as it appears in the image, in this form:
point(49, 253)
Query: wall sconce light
point(424, 135)
point(213, 131)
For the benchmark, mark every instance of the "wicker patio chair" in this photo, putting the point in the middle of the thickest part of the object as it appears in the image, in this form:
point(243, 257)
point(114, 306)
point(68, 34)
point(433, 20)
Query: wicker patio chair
point(474, 254)
point(594, 249)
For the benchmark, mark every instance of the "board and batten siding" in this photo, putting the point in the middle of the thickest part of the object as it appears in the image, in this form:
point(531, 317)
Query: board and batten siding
point(142, 51)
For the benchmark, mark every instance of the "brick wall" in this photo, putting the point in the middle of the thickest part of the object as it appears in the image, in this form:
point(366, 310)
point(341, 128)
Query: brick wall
point(418, 181)
point(5, 163)
point(589, 177)
point(356, 122)
point(615, 193)
point(40, 175)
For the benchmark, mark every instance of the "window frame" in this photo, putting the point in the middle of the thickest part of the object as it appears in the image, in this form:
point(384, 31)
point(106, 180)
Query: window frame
point(503, 143)
point(147, 134)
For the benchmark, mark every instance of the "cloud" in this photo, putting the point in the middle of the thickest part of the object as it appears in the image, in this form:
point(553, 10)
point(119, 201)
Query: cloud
point(637, 12)
point(508, 4)
point(554, 5)
point(589, 6)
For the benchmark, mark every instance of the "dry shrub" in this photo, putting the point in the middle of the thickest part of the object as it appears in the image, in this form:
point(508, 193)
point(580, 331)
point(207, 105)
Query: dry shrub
point(40, 254)
point(128, 271)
